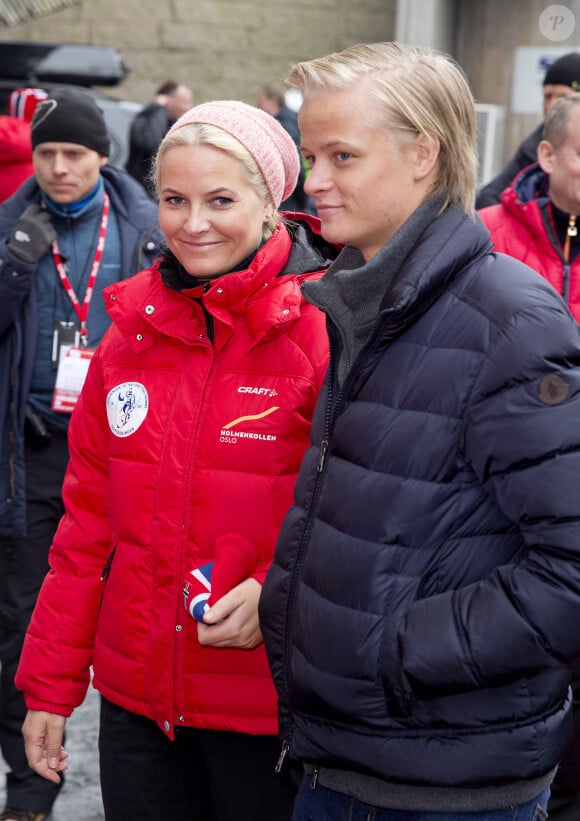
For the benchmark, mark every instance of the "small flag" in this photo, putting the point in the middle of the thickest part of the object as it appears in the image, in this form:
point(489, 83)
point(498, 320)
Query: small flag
point(197, 591)
point(235, 560)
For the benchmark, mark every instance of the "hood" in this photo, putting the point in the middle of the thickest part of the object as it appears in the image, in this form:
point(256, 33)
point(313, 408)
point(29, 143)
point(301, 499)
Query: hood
point(309, 252)
point(148, 300)
point(530, 184)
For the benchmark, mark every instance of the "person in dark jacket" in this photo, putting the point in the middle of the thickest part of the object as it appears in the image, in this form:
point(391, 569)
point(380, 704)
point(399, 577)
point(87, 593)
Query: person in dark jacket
point(74, 227)
point(172, 99)
point(271, 99)
point(561, 78)
point(422, 607)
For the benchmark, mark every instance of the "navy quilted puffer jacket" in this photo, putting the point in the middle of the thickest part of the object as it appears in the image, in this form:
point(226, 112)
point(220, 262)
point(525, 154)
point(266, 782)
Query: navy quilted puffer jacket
point(425, 592)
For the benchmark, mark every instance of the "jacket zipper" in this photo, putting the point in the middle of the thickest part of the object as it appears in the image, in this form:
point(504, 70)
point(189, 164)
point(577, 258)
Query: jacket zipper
point(571, 231)
point(562, 252)
point(108, 563)
point(209, 322)
point(12, 422)
point(282, 757)
point(105, 573)
point(297, 571)
point(331, 415)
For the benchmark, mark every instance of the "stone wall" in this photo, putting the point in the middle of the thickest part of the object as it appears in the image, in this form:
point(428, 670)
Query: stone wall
point(227, 48)
point(488, 32)
point(222, 48)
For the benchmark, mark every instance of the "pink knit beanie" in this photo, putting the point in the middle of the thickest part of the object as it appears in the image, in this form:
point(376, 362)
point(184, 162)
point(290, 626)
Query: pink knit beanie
point(267, 141)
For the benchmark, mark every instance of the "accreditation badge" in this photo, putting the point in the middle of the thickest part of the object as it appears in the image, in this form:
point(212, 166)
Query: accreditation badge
point(64, 336)
point(70, 378)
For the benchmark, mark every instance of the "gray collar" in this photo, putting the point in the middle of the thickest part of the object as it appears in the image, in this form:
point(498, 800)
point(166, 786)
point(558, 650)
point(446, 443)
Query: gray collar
point(352, 290)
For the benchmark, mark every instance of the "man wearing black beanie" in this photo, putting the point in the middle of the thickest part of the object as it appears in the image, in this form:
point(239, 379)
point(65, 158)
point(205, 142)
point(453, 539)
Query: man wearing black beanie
point(561, 78)
point(72, 116)
point(73, 228)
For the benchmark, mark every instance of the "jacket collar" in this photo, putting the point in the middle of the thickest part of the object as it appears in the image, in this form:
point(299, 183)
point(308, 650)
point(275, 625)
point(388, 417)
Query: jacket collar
point(91, 202)
point(414, 274)
point(450, 244)
point(266, 297)
point(530, 184)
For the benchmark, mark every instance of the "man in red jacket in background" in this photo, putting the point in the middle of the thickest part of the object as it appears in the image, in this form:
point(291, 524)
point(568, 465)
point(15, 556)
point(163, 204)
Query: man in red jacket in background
point(538, 218)
point(15, 148)
point(561, 78)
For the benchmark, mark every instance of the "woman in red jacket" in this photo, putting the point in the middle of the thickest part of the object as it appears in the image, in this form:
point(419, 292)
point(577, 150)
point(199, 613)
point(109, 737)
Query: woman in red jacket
point(185, 445)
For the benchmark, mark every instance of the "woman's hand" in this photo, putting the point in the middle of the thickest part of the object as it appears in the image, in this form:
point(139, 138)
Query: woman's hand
point(43, 733)
point(233, 620)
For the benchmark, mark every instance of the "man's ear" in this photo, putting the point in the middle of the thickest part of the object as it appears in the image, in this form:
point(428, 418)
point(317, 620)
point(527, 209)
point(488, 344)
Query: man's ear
point(427, 148)
point(546, 156)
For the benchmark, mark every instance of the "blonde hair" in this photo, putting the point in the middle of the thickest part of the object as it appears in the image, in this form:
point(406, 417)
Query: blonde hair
point(203, 134)
point(556, 123)
point(420, 91)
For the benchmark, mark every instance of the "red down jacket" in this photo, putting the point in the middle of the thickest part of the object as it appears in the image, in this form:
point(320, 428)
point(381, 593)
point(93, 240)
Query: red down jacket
point(178, 446)
point(521, 226)
point(15, 156)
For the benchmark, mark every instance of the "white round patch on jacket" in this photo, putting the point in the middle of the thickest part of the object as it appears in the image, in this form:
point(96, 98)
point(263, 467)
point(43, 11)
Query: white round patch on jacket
point(127, 406)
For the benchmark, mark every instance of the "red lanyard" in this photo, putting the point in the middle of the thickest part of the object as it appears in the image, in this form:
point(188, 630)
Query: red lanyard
point(82, 311)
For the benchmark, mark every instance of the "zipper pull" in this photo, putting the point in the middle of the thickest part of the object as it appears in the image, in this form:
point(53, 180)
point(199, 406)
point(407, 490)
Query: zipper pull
point(571, 231)
point(322, 457)
point(186, 590)
point(314, 779)
point(283, 754)
point(107, 567)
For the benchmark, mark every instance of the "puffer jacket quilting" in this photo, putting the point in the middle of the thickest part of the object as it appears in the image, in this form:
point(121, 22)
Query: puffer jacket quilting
point(178, 446)
point(439, 537)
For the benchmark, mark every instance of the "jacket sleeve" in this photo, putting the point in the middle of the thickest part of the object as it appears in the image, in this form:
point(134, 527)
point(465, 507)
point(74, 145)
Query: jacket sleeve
point(57, 654)
point(15, 284)
point(522, 440)
point(16, 277)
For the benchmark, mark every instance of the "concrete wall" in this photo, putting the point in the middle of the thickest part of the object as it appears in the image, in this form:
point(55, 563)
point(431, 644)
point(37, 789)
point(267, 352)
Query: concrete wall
point(488, 32)
point(222, 48)
point(227, 48)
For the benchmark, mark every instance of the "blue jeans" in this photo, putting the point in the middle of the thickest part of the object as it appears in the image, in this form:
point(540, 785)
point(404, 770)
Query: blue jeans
point(322, 804)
